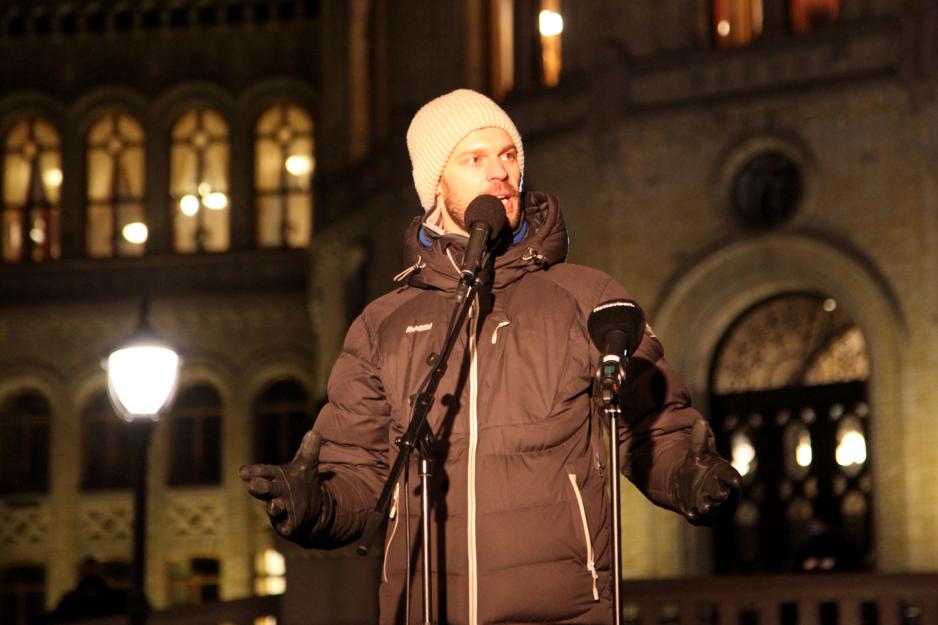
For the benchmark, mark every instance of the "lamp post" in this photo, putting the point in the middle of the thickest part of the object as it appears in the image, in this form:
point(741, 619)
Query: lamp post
point(142, 372)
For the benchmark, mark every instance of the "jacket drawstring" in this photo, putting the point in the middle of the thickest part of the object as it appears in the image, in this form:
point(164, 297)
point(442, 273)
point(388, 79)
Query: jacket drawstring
point(417, 266)
point(532, 255)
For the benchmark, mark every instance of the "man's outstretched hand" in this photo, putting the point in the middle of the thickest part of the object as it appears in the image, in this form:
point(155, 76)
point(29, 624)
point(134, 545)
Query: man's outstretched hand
point(705, 488)
point(291, 491)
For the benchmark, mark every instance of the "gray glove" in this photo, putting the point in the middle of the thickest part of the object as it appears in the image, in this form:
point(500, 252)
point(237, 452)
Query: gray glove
point(294, 497)
point(705, 487)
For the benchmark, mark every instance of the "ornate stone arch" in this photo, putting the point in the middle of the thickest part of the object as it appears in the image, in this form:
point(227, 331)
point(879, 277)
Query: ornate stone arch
point(696, 309)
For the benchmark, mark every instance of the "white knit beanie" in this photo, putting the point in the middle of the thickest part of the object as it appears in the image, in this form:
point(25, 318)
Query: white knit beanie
point(440, 125)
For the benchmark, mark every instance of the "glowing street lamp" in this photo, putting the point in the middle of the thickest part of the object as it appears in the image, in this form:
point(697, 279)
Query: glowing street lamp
point(142, 373)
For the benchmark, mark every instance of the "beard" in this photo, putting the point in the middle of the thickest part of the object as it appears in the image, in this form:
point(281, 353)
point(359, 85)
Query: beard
point(456, 204)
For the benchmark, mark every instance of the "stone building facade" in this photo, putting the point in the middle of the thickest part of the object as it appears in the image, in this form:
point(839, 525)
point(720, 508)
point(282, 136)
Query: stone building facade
point(711, 159)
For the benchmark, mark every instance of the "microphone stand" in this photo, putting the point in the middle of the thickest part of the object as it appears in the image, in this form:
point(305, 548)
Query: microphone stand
point(419, 436)
point(611, 375)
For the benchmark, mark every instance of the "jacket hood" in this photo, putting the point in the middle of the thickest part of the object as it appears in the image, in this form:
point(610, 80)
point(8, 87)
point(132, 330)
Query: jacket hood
point(434, 260)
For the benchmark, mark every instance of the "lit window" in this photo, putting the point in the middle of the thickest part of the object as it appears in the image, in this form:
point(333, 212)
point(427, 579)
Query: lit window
point(199, 182)
point(32, 180)
point(811, 15)
point(24, 443)
point(744, 454)
point(736, 22)
point(550, 25)
point(283, 172)
point(116, 223)
point(851, 445)
point(502, 47)
point(271, 569)
point(803, 453)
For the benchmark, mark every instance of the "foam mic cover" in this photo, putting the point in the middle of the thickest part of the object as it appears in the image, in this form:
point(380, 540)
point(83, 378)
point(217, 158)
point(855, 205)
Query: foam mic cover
point(487, 210)
point(616, 327)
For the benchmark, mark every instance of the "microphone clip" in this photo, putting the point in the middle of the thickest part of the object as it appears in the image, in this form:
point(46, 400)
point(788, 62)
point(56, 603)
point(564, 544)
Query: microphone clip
point(611, 377)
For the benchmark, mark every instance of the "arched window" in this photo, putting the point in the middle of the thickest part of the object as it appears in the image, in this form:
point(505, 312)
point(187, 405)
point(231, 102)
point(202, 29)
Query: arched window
point(107, 447)
point(283, 170)
point(194, 581)
point(22, 594)
point(32, 178)
point(281, 417)
point(195, 437)
point(24, 443)
point(199, 182)
point(116, 170)
point(789, 407)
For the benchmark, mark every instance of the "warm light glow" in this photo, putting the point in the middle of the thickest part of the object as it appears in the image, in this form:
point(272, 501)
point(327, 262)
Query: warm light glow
point(204, 188)
point(744, 454)
point(830, 304)
point(723, 28)
point(851, 449)
point(274, 563)
point(189, 205)
point(299, 165)
point(135, 232)
point(215, 201)
point(38, 235)
point(550, 23)
point(142, 379)
point(803, 453)
point(271, 568)
point(53, 177)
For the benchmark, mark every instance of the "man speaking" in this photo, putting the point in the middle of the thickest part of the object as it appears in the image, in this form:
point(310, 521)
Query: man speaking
point(520, 529)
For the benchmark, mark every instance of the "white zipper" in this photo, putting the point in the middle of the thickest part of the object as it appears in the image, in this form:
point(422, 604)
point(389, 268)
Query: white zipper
point(590, 564)
point(471, 471)
point(394, 517)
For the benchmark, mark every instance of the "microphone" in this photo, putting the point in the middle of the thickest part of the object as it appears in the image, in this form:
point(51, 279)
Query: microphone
point(616, 329)
point(485, 218)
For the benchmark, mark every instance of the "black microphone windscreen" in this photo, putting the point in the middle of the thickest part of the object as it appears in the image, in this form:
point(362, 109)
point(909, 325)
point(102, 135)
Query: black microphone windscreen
point(489, 210)
point(620, 315)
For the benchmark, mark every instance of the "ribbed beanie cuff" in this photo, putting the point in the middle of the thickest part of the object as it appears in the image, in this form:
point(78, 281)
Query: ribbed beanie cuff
point(440, 125)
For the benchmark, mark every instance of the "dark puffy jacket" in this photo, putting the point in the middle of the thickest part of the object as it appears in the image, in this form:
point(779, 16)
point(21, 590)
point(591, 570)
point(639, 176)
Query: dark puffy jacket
point(521, 527)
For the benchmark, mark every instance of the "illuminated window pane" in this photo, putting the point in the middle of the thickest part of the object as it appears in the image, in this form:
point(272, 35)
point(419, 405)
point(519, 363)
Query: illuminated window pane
point(24, 443)
point(736, 22)
point(744, 454)
point(115, 186)
point(32, 180)
point(283, 171)
point(799, 453)
point(550, 26)
point(270, 573)
point(502, 46)
point(199, 188)
point(812, 15)
point(851, 446)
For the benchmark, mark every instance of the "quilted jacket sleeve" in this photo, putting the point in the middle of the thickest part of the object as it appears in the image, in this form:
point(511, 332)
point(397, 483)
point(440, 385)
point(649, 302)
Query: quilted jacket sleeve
point(354, 427)
point(656, 416)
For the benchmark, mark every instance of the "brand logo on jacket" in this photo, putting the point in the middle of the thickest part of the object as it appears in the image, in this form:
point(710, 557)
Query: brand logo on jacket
point(423, 327)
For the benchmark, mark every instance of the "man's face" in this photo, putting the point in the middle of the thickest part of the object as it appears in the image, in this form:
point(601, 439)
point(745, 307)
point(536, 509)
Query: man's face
point(484, 162)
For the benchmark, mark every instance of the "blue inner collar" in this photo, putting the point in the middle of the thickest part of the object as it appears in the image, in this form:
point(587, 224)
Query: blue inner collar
point(516, 238)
